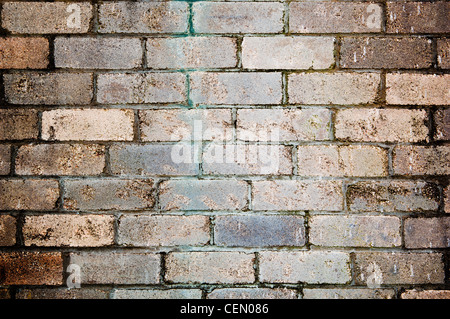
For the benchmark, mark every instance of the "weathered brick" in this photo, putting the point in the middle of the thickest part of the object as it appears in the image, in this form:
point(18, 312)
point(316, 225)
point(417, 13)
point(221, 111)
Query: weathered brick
point(332, 160)
point(63, 293)
point(383, 268)
point(203, 195)
point(235, 88)
point(191, 52)
point(240, 159)
point(427, 232)
point(333, 88)
point(141, 88)
point(283, 125)
point(98, 53)
point(447, 199)
point(417, 17)
point(87, 125)
point(68, 230)
point(28, 194)
point(304, 266)
point(23, 53)
point(60, 159)
point(31, 268)
point(443, 53)
point(18, 124)
point(122, 293)
point(386, 53)
point(332, 17)
point(252, 293)
point(391, 196)
point(185, 124)
point(417, 89)
point(151, 230)
point(442, 124)
point(210, 267)
point(259, 231)
point(235, 17)
point(7, 230)
point(48, 88)
point(46, 17)
point(421, 160)
point(5, 159)
point(381, 125)
point(117, 267)
point(355, 231)
point(296, 195)
point(103, 194)
point(288, 52)
point(4, 294)
point(143, 17)
point(348, 293)
point(426, 294)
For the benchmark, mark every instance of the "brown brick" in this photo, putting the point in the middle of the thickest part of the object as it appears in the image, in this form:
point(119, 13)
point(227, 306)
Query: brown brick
point(209, 267)
point(4, 294)
point(421, 160)
point(28, 194)
point(386, 53)
point(18, 124)
point(417, 17)
point(348, 293)
point(7, 230)
point(63, 293)
point(426, 294)
point(23, 53)
point(442, 124)
point(68, 230)
point(60, 159)
point(253, 293)
point(427, 232)
point(447, 199)
point(443, 53)
point(5, 159)
point(31, 268)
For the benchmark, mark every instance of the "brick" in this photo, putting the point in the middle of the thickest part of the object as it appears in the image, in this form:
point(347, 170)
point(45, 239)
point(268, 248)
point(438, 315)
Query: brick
point(141, 88)
point(426, 294)
point(332, 160)
point(381, 125)
point(252, 293)
point(88, 125)
point(146, 230)
point(386, 53)
point(333, 88)
point(421, 160)
point(443, 53)
point(447, 199)
point(348, 293)
point(7, 230)
point(48, 88)
point(143, 17)
point(148, 160)
point(117, 267)
point(46, 17)
point(297, 195)
point(417, 89)
point(312, 267)
point(63, 293)
point(28, 194)
point(18, 124)
point(191, 53)
point(240, 159)
point(209, 267)
point(185, 124)
point(4, 294)
point(98, 53)
point(31, 268)
point(157, 294)
point(374, 268)
point(220, 17)
point(288, 52)
point(259, 231)
point(68, 230)
point(23, 53)
point(328, 17)
point(106, 194)
point(427, 232)
point(417, 17)
point(391, 196)
point(5, 159)
point(283, 124)
point(235, 88)
point(65, 159)
point(355, 231)
point(442, 124)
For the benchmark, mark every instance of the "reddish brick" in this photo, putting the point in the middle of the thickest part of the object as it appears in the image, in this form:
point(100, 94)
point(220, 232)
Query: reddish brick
point(23, 53)
point(7, 230)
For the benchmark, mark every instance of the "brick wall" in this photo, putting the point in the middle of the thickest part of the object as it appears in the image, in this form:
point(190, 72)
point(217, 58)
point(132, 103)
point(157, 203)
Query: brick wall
point(210, 149)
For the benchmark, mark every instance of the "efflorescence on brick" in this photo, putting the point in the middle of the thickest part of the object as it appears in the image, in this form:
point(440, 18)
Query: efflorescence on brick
point(214, 149)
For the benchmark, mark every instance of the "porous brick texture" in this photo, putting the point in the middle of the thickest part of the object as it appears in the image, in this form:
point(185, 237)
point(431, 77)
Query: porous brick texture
point(225, 149)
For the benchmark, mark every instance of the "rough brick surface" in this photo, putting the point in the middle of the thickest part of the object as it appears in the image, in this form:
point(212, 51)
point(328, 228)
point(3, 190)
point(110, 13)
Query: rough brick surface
point(18, 124)
point(62, 293)
point(427, 232)
point(421, 160)
point(349, 293)
point(23, 53)
point(447, 199)
point(442, 122)
point(426, 294)
point(157, 294)
point(443, 53)
point(252, 293)
point(5, 159)
point(7, 230)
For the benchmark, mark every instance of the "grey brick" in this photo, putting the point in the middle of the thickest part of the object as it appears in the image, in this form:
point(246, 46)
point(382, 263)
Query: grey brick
point(63, 293)
point(427, 232)
point(348, 293)
point(252, 293)
point(421, 160)
point(123, 293)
